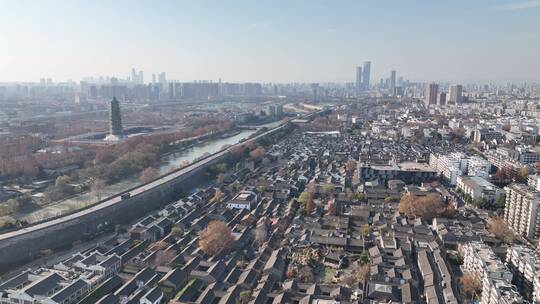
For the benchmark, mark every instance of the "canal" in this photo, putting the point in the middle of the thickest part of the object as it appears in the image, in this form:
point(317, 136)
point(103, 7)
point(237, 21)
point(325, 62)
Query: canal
point(169, 163)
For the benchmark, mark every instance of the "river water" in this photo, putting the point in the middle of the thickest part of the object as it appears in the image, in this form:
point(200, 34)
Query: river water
point(169, 163)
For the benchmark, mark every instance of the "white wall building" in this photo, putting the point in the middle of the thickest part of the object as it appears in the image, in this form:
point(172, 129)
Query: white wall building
point(478, 188)
point(478, 166)
point(524, 263)
point(450, 166)
point(521, 210)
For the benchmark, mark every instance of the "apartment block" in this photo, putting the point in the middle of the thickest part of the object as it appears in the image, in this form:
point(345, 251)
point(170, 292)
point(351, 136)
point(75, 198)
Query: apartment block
point(521, 210)
point(524, 263)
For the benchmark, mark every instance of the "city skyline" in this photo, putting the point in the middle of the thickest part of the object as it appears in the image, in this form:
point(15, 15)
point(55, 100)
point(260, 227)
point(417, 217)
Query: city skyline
point(273, 42)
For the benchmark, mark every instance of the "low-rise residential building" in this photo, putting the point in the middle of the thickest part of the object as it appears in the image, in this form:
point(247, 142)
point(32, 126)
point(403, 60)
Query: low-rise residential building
point(486, 135)
point(478, 166)
point(478, 188)
point(243, 200)
point(409, 172)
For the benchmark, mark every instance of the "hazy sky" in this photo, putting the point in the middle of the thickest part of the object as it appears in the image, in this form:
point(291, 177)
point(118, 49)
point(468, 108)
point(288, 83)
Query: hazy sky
point(277, 41)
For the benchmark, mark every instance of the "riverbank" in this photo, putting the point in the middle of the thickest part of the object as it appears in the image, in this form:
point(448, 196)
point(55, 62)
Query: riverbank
point(169, 162)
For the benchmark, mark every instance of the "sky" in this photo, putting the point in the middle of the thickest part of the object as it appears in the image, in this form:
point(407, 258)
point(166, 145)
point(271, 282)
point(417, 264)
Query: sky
point(271, 41)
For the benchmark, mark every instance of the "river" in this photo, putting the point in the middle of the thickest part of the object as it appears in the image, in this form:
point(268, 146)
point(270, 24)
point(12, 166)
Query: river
point(169, 163)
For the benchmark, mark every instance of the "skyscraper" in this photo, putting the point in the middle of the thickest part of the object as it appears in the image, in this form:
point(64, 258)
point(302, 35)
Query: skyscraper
point(393, 82)
point(431, 94)
point(116, 132)
point(455, 93)
point(134, 77)
point(141, 77)
point(315, 91)
point(365, 74)
point(358, 79)
point(162, 78)
point(441, 99)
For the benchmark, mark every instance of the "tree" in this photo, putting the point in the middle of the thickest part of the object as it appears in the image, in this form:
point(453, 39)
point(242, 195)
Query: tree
point(498, 227)
point(220, 178)
point(309, 205)
point(303, 198)
point(244, 297)
point(500, 202)
point(62, 184)
point(389, 199)
point(428, 206)
point(470, 285)
point(164, 257)
point(217, 196)
point(365, 230)
point(523, 173)
point(328, 189)
point(305, 274)
point(358, 275)
point(261, 234)
point(258, 153)
point(46, 252)
point(177, 231)
point(266, 161)
point(350, 166)
point(331, 208)
point(216, 238)
point(148, 175)
point(97, 188)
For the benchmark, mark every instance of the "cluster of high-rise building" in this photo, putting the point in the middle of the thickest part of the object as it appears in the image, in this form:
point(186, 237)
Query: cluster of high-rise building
point(433, 97)
point(362, 77)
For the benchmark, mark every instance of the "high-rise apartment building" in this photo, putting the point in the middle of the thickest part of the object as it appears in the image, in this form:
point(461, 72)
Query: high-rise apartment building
point(162, 78)
point(393, 82)
point(430, 97)
point(524, 262)
point(521, 210)
point(455, 93)
point(358, 83)
point(441, 99)
point(366, 74)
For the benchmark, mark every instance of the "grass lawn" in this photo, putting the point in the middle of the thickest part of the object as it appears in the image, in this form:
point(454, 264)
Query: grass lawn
point(328, 274)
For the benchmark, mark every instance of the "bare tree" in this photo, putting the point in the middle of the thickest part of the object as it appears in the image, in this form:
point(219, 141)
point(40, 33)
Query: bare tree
point(498, 227)
point(305, 274)
point(164, 257)
point(220, 178)
point(217, 238)
point(427, 207)
point(258, 153)
point(217, 196)
point(350, 166)
point(148, 174)
point(261, 234)
point(331, 208)
point(358, 275)
point(97, 188)
point(470, 285)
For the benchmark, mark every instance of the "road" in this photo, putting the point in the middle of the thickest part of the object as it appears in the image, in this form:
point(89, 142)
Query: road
point(132, 192)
